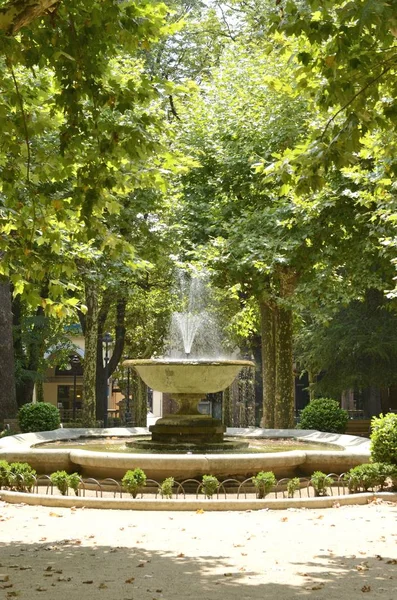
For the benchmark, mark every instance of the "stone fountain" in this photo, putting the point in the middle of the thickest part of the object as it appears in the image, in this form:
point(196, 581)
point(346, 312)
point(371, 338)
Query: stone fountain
point(187, 377)
point(188, 381)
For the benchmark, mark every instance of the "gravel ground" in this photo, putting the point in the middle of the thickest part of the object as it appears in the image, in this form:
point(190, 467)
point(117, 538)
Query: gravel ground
point(66, 554)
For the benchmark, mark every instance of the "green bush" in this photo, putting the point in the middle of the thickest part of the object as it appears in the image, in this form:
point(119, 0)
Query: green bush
point(133, 481)
point(369, 475)
point(166, 487)
point(74, 482)
point(39, 416)
point(293, 486)
point(384, 438)
point(61, 480)
point(209, 485)
point(324, 414)
point(320, 482)
point(21, 477)
point(4, 471)
point(264, 481)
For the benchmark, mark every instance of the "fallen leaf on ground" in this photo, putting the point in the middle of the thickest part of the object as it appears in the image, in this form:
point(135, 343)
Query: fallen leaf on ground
point(366, 588)
point(130, 580)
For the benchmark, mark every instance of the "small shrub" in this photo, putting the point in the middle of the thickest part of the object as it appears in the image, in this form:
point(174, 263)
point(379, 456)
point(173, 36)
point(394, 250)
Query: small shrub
point(264, 481)
point(209, 485)
point(21, 477)
point(166, 487)
point(293, 486)
point(61, 480)
point(74, 482)
point(369, 475)
point(384, 439)
point(133, 481)
point(324, 414)
point(4, 471)
point(320, 482)
point(40, 416)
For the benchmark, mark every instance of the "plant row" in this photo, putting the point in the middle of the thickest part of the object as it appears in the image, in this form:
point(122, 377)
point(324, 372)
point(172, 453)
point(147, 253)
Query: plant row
point(22, 478)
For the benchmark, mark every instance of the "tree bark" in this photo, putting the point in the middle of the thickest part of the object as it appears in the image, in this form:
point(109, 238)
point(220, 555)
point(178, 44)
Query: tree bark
point(19, 13)
point(268, 312)
point(90, 354)
point(8, 403)
point(117, 349)
point(284, 393)
point(29, 355)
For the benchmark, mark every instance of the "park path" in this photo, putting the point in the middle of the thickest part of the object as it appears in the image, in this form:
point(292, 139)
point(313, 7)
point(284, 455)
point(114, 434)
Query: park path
point(79, 554)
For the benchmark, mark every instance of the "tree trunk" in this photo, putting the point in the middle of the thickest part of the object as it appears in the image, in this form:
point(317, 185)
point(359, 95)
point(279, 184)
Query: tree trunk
point(8, 403)
point(28, 355)
point(90, 355)
point(268, 312)
point(117, 349)
point(284, 396)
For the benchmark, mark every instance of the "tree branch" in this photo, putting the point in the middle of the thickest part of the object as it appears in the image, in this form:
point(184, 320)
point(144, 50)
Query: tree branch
point(19, 13)
point(360, 91)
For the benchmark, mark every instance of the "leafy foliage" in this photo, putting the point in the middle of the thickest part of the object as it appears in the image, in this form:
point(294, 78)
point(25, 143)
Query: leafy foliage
point(21, 477)
point(320, 483)
point(324, 414)
point(292, 486)
point(384, 438)
point(133, 481)
point(368, 476)
point(264, 481)
point(40, 416)
point(63, 481)
point(209, 485)
point(166, 487)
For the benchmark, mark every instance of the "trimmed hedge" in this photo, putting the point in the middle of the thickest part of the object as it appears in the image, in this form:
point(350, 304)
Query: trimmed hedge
point(324, 414)
point(40, 416)
point(384, 438)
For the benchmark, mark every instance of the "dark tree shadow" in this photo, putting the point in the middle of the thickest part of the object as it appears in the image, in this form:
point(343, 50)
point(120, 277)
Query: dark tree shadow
point(66, 569)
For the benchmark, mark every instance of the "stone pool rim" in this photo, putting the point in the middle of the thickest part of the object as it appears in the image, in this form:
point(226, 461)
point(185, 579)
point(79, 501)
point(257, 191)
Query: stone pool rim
point(21, 448)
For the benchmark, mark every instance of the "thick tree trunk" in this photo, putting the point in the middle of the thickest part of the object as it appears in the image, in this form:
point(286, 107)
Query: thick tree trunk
point(268, 312)
point(28, 355)
point(117, 349)
point(90, 355)
point(19, 13)
point(8, 403)
point(284, 397)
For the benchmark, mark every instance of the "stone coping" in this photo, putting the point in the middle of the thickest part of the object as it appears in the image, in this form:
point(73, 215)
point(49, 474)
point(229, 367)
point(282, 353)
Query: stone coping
point(22, 447)
point(194, 505)
point(355, 444)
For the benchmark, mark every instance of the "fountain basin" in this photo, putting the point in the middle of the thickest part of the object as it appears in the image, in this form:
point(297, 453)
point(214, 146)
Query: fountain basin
point(188, 382)
point(199, 377)
point(159, 466)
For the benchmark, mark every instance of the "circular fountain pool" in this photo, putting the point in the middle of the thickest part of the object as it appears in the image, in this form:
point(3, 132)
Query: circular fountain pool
point(26, 447)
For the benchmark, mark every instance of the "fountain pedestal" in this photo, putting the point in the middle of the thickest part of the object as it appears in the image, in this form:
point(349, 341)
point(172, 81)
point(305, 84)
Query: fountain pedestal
point(187, 425)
